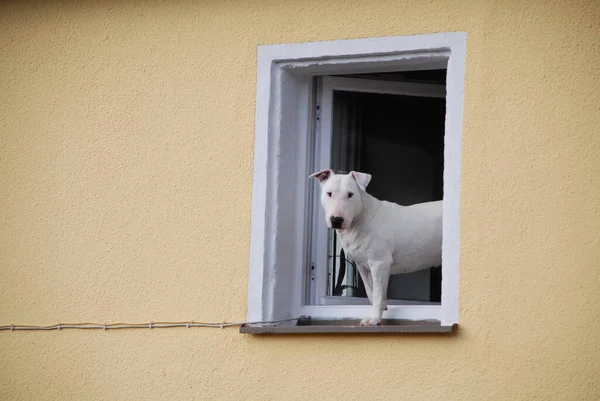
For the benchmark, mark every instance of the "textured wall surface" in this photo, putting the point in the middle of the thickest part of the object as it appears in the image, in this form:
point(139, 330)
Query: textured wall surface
point(126, 148)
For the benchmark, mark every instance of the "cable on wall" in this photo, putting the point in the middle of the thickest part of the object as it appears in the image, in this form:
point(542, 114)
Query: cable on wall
point(150, 325)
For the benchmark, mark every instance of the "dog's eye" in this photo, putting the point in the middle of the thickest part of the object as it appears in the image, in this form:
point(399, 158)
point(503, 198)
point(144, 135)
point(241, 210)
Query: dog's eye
point(350, 194)
point(329, 194)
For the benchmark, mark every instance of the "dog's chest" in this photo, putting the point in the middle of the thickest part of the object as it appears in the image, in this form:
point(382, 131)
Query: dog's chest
point(355, 248)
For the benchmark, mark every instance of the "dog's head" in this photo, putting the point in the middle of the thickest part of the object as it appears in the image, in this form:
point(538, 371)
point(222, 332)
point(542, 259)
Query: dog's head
point(342, 196)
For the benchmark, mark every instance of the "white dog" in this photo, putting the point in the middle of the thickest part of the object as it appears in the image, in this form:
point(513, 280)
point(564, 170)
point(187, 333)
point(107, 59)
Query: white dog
point(381, 237)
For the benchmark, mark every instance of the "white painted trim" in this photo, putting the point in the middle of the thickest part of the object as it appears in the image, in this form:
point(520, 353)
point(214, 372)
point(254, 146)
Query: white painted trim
point(383, 87)
point(347, 301)
point(281, 166)
point(455, 84)
point(405, 312)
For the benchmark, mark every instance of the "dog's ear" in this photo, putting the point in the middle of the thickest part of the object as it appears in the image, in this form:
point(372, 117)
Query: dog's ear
point(322, 175)
point(362, 179)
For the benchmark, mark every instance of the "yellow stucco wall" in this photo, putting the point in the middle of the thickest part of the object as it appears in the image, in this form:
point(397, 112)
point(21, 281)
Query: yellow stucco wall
point(126, 151)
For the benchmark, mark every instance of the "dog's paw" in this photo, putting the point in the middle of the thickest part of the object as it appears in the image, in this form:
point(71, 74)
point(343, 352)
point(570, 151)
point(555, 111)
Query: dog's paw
point(370, 321)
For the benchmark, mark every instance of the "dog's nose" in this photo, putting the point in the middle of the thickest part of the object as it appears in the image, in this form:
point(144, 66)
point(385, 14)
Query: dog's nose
point(336, 222)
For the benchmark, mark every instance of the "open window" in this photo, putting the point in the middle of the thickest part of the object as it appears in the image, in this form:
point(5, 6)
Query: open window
point(391, 126)
point(391, 107)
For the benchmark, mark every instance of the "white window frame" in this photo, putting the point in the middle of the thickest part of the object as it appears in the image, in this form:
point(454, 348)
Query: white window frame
point(282, 193)
point(324, 131)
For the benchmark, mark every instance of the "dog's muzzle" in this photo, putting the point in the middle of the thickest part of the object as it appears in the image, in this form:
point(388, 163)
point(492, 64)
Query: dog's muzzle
point(336, 222)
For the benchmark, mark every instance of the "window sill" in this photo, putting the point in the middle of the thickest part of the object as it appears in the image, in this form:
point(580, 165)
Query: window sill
point(321, 326)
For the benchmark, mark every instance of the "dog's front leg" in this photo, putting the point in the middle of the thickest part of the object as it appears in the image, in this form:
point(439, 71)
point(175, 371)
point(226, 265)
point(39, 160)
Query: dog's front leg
point(365, 274)
point(380, 274)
